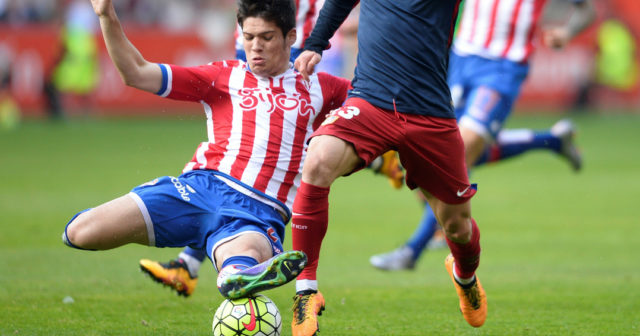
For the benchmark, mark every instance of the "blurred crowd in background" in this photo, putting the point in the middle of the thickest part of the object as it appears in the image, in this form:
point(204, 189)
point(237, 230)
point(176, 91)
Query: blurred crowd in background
point(52, 57)
point(169, 14)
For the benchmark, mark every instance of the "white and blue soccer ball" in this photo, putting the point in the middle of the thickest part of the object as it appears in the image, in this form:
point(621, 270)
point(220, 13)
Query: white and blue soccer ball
point(252, 316)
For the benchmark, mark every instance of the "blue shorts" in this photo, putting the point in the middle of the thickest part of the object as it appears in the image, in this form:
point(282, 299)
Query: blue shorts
point(199, 210)
point(484, 91)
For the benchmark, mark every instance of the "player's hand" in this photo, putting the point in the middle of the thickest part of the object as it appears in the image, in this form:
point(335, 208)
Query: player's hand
point(556, 38)
point(102, 7)
point(306, 63)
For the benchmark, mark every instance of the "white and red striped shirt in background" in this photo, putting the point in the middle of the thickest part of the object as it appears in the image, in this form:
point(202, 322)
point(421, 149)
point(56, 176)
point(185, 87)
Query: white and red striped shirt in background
point(306, 14)
point(257, 127)
point(499, 28)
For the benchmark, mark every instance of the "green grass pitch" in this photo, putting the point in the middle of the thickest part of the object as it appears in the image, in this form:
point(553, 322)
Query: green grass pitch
point(561, 251)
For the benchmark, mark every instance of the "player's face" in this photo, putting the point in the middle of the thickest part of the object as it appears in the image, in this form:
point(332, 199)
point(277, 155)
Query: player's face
point(266, 49)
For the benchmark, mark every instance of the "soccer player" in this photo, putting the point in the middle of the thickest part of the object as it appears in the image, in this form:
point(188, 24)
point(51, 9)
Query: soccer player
point(488, 64)
point(399, 100)
point(181, 274)
point(234, 197)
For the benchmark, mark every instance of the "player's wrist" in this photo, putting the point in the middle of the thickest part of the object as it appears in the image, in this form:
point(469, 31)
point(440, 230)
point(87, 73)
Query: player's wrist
point(315, 46)
point(108, 13)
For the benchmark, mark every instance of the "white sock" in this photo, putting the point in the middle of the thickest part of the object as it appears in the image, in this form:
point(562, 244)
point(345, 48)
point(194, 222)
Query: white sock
point(225, 272)
point(376, 164)
point(306, 285)
point(193, 264)
point(462, 281)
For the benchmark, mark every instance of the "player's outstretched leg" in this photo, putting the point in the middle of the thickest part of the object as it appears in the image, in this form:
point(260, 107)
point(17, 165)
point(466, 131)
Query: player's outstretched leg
point(307, 306)
point(174, 274)
point(272, 273)
point(565, 130)
point(473, 300)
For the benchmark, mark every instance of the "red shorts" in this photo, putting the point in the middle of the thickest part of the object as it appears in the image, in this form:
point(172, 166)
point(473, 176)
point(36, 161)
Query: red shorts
point(430, 148)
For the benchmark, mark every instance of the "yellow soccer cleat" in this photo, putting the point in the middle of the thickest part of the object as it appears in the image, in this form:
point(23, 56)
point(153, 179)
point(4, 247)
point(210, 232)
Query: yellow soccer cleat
point(473, 300)
point(391, 168)
point(173, 274)
point(307, 305)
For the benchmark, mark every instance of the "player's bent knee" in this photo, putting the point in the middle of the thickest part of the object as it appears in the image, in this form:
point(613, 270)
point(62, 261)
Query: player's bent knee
point(70, 234)
point(457, 229)
point(322, 170)
point(319, 174)
point(252, 244)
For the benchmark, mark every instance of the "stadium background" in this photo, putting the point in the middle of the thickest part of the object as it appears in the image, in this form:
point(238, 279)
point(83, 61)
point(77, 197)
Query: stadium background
point(560, 250)
point(196, 32)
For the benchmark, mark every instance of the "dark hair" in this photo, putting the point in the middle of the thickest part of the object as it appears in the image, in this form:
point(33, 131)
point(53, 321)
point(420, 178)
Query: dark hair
point(280, 12)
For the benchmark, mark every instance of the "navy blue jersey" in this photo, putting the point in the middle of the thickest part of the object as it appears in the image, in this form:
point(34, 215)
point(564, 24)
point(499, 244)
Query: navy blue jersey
point(403, 52)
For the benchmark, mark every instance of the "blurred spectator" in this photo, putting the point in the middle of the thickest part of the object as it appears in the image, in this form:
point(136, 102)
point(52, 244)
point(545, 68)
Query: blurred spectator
point(76, 71)
point(616, 65)
point(171, 14)
point(19, 12)
point(9, 109)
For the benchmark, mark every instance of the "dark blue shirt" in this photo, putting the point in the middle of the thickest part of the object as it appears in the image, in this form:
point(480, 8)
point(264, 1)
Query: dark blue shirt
point(403, 51)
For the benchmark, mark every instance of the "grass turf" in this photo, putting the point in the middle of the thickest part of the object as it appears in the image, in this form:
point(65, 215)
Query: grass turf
point(560, 250)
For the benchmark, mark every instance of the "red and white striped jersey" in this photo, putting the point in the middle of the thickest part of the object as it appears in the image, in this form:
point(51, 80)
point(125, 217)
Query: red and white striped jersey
point(498, 28)
point(305, 19)
point(257, 127)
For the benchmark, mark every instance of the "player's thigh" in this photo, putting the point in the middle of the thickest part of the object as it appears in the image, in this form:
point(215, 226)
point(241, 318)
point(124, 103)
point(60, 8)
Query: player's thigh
point(370, 131)
point(328, 158)
point(474, 145)
point(109, 225)
point(179, 211)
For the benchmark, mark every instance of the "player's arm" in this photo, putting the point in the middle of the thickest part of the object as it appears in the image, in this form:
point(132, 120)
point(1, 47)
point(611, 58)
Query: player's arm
point(583, 15)
point(332, 15)
point(133, 68)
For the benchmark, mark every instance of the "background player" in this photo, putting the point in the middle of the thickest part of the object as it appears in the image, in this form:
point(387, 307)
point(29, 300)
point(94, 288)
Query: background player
point(234, 197)
point(489, 62)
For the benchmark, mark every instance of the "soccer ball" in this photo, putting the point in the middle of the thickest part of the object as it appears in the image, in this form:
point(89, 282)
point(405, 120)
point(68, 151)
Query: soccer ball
point(252, 316)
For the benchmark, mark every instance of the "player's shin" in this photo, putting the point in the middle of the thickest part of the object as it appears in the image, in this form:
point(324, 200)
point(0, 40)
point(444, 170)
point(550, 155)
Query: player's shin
point(309, 224)
point(467, 255)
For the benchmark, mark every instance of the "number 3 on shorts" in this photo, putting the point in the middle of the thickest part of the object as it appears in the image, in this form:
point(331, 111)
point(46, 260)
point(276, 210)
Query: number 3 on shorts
point(346, 112)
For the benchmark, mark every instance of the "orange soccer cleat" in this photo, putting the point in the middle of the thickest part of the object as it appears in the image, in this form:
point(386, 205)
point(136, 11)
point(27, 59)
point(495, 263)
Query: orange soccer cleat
point(391, 168)
point(173, 274)
point(307, 305)
point(473, 300)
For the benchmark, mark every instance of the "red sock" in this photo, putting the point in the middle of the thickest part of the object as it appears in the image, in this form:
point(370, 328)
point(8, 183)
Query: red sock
point(309, 225)
point(467, 256)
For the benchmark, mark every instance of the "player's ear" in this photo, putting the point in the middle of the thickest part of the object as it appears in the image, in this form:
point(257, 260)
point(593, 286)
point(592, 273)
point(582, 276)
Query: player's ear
point(291, 37)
